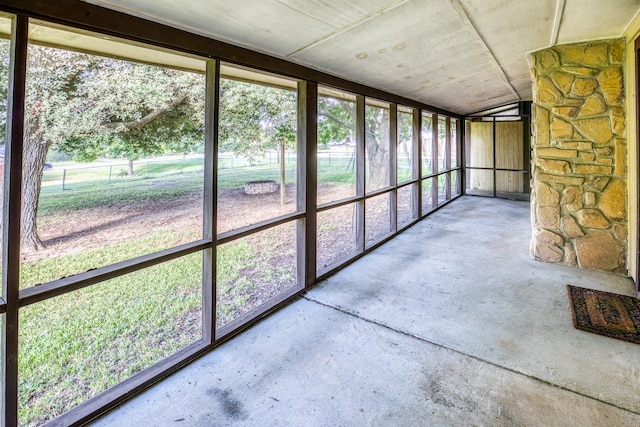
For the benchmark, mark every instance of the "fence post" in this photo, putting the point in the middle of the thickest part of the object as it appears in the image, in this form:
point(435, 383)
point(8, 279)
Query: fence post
point(64, 175)
point(147, 169)
point(110, 170)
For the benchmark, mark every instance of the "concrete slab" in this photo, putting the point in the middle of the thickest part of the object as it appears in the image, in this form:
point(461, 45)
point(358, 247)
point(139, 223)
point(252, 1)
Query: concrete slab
point(311, 365)
point(448, 324)
point(463, 279)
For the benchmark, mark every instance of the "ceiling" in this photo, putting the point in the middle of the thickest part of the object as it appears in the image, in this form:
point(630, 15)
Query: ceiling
point(460, 55)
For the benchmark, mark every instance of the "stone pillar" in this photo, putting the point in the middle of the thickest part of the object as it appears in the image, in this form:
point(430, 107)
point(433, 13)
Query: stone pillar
point(579, 178)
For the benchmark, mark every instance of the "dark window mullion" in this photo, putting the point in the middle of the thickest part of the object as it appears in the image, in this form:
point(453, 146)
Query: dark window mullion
point(212, 103)
point(360, 172)
point(12, 216)
point(393, 167)
point(307, 187)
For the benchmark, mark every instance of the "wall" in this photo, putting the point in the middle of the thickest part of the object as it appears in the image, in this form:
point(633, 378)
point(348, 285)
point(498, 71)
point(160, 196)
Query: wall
point(579, 156)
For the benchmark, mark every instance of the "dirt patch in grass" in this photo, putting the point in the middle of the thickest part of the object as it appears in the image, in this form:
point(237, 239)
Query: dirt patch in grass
point(75, 231)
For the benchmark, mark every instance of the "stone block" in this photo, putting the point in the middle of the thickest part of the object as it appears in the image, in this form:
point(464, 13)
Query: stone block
point(560, 179)
point(562, 80)
point(548, 217)
point(556, 152)
point(583, 87)
point(570, 227)
point(560, 129)
point(546, 196)
point(545, 61)
point(616, 115)
point(593, 105)
point(621, 232)
point(572, 198)
point(550, 237)
point(599, 250)
point(598, 184)
point(588, 157)
point(582, 71)
point(592, 169)
point(547, 252)
point(569, 255)
point(620, 165)
point(554, 166)
point(597, 130)
point(568, 112)
point(613, 200)
point(590, 199)
point(545, 92)
point(584, 145)
point(604, 151)
point(616, 51)
point(542, 126)
point(605, 161)
point(592, 218)
point(611, 85)
point(591, 54)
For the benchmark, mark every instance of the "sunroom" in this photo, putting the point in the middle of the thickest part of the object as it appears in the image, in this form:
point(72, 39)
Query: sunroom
point(274, 203)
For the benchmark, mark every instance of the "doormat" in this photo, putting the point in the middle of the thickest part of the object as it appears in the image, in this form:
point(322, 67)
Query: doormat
point(605, 313)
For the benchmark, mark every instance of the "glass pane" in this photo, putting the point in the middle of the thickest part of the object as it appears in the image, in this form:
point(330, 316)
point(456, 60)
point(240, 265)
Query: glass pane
point(479, 182)
point(77, 345)
point(427, 144)
point(455, 183)
point(510, 182)
point(405, 145)
point(377, 218)
point(113, 164)
point(377, 148)
point(336, 236)
point(254, 269)
point(442, 144)
point(428, 195)
point(454, 144)
point(480, 145)
point(443, 186)
point(509, 145)
point(257, 153)
point(407, 199)
point(336, 147)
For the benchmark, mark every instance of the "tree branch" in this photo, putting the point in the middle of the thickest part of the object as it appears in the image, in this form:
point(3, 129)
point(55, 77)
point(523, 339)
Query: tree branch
point(137, 124)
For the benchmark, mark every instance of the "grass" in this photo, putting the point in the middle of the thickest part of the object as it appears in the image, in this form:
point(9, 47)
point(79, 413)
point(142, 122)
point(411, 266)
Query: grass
point(74, 346)
point(77, 345)
point(253, 269)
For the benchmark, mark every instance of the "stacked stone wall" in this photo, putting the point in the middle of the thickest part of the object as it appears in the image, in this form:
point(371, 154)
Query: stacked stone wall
point(579, 176)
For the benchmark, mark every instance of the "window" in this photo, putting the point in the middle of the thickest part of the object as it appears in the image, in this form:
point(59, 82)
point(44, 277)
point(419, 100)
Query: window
point(173, 199)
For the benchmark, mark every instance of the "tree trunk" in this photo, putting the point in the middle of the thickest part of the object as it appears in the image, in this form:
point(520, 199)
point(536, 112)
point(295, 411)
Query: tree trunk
point(378, 151)
point(130, 168)
point(35, 152)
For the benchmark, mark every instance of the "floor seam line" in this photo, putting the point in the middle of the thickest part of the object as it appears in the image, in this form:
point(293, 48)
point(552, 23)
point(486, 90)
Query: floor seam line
point(480, 359)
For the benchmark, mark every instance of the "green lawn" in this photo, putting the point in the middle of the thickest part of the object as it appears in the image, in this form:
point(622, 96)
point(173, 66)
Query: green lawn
point(77, 345)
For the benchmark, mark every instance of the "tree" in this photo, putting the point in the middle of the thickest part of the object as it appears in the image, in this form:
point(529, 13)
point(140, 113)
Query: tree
point(90, 106)
point(255, 119)
point(337, 119)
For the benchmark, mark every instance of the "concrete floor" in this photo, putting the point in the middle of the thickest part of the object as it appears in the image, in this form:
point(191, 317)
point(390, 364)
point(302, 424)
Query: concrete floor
point(449, 324)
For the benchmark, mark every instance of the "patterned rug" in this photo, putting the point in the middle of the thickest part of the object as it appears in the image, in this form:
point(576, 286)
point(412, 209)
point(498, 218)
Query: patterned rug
point(605, 313)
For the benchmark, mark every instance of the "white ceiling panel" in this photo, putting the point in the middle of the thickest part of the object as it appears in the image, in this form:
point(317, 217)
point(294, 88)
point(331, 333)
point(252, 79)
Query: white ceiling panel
point(514, 27)
point(431, 48)
point(460, 55)
point(594, 19)
point(274, 26)
point(479, 91)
